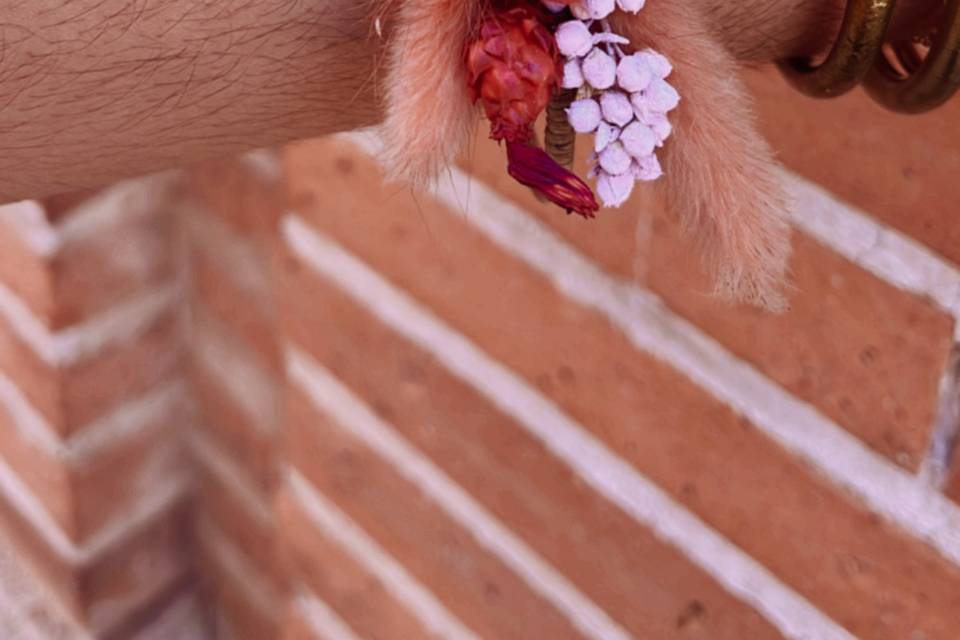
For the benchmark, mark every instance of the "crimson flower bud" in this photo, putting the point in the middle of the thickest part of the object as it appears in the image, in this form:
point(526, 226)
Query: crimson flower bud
point(533, 167)
point(512, 69)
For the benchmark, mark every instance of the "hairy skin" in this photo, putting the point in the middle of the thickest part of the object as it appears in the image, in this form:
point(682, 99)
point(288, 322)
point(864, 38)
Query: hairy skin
point(96, 90)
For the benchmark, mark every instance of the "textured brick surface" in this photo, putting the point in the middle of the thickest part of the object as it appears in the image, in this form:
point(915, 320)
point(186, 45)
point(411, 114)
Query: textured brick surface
point(357, 596)
point(476, 586)
point(865, 353)
point(860, 570)
point(231, 516)
point(520, 482)
point(100, 592)
point(900, 169)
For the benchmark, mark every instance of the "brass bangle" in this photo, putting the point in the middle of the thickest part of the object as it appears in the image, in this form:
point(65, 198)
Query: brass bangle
point(929, 82)
point(858, 46)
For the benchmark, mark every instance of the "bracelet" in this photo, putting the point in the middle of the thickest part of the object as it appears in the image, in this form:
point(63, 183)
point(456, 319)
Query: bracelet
point(928, 82)
point(865, 24)
point(895, 74)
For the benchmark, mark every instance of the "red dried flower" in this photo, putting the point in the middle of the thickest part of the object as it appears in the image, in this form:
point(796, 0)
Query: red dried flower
point(533, 167)
point(513, 67)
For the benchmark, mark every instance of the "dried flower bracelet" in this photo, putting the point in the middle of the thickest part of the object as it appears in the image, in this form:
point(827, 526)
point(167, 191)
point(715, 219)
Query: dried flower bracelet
point(895, 74)
point(563, 57)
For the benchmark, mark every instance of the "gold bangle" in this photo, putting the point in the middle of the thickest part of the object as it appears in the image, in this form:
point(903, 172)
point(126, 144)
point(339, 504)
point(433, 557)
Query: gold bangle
point(861, 38)
point(929, 82)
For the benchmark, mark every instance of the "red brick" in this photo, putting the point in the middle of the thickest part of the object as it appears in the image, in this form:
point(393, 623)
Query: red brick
point(901, 170)
point(295, 627)
point(83, 497)
point(94, 273)
point(236, 615)
point(44, 474)
point(90, 273)
point(123, 474)
point(124, 369)
point(72, 397)
point(254, 538)
point(252, 447)
point(330, 572)
point(25, 273)
point(473, 583)
point(143, 565)
point(248, 319)
point(233, 191)
point(512, 474)
point(865, 573)
point(865, 353)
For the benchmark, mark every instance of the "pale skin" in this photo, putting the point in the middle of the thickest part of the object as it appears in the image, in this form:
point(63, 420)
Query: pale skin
point(92, 91)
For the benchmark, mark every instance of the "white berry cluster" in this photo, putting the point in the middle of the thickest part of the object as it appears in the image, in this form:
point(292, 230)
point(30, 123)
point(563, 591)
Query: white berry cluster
point(622, 99)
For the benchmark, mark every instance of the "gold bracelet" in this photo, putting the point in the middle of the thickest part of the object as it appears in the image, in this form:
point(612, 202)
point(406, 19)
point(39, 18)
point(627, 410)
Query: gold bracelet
point(929, 81)
point(865, 24)
point(895, 74)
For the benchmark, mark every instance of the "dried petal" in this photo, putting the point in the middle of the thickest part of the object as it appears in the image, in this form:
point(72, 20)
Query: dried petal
point(614, 159)
point(534, 168)
point(600, 9)
point(657, 62)
point(614, 190)
point(573, 39)
point(612, 38)
point(606, 133)
point(647, 169)
point(661, 96)
point(638, 139)
point(572, 74)
point(634, 73)
point(584, 115)
point(616, 107)
point(660, 125)
point(599, 69)
point(631, 6)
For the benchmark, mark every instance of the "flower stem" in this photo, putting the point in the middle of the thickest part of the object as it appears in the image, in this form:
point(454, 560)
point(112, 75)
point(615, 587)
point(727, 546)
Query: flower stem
point(559, 137)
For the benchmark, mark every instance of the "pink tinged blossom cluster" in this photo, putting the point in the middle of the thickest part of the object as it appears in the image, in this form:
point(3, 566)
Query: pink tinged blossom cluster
point(623, 100)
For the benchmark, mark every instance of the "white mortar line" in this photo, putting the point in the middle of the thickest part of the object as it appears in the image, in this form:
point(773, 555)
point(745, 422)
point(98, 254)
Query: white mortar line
point(906, 264)
point(123, 322)
point(797, 426)
point(73, 344)
point(237, 370)
point(28, 220)
point(231, 476)
point(887, 253)
point(123, 201)
point(350, 413)
point(235, 257)
point(124, 420)
point(323, 620)
point(604, 471)
point(257, 591)
point(265, 163)
point(405, 588)
point(33, 427)
point(120, 528)
point(120, 202)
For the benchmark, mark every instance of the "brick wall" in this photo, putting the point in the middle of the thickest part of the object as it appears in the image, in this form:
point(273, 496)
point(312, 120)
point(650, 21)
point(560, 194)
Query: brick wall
point(315, 406)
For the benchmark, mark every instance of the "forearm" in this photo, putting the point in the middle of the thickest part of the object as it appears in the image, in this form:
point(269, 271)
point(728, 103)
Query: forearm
point(95, 90)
